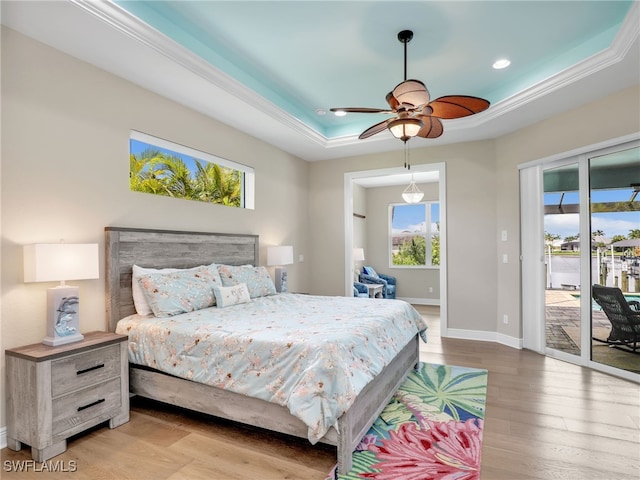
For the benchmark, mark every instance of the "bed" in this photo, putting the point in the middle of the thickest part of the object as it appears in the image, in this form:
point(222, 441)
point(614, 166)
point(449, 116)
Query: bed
point(126, 247)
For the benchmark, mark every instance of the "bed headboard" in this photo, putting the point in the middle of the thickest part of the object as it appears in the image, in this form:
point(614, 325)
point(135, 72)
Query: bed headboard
point(163, 249)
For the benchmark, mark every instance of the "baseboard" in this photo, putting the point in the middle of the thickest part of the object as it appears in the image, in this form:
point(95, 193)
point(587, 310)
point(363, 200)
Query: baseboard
point(483, 336)
point(3, 437)
point(421, 301)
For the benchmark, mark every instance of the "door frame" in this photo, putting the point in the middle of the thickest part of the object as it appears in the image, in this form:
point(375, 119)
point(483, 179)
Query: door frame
point(439, 167)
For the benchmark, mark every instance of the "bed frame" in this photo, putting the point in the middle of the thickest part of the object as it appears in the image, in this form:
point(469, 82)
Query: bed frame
point(161, 249)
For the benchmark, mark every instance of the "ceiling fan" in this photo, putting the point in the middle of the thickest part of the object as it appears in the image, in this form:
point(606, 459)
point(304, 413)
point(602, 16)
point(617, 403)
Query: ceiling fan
point(415, 114)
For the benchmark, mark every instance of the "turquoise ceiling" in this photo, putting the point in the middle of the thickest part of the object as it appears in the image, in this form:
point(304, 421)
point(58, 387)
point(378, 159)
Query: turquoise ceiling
point(308, 55)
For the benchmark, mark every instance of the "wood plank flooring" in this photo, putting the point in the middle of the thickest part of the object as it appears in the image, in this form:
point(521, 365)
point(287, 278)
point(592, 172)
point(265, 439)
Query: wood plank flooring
point(545, 419)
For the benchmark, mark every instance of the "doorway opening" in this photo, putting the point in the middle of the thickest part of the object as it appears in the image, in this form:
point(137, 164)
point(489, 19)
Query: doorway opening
point(396, 178)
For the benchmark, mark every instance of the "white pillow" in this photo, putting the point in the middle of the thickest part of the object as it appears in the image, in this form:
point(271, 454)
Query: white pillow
point(227, 296)
point(139, 300)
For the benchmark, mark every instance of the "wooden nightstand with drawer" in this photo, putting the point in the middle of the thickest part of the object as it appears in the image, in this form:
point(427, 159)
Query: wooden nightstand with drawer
point(56, 392)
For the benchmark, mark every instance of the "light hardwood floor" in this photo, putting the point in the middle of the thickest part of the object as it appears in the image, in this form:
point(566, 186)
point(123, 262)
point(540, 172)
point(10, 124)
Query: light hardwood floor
point(545, 419)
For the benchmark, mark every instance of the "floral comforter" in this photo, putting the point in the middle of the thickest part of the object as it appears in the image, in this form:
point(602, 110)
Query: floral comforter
point(311, 354)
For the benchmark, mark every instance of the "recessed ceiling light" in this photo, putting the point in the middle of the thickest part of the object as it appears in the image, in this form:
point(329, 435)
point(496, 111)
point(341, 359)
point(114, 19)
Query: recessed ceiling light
point(340, 113)
point(321, 111)
point(500, 64)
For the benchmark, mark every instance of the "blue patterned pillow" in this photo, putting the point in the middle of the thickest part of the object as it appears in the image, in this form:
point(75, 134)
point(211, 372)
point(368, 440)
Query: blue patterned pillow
point(171, 293)
point(257, 279)
point(370, 271)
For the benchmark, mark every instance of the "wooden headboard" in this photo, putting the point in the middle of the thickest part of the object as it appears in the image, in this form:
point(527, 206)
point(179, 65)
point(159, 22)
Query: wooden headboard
point(163, 249)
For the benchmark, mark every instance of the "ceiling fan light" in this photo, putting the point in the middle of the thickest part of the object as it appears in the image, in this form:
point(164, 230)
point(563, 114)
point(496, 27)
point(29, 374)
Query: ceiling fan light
point(412, 193)
point(405, 128)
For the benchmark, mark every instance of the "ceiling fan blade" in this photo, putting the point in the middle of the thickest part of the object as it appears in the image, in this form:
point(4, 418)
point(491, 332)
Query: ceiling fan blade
point(457, 106)
point(361, 110)
point(377, 128)
point(413, 92)
point(432, 127)
point(392, 101)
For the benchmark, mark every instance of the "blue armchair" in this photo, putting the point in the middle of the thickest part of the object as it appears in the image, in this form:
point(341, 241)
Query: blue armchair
point(369, 275)
point(360, 290)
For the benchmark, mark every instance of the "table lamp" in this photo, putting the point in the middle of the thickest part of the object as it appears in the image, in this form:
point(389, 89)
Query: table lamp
point(279, 256)
point(358, 256)
point(49, 262)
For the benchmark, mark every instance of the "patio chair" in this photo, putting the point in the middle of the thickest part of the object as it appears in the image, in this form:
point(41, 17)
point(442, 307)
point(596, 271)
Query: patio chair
point(360, 290)
point(623, 315)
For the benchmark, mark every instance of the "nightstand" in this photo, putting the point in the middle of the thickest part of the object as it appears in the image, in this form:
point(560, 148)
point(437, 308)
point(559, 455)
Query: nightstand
point(56, 392)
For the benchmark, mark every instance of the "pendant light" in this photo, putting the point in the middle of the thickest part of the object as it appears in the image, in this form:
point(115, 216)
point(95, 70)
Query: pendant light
point(412, 193)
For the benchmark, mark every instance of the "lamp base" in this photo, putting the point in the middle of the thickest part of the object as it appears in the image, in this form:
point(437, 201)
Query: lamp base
point(281, 279)
point(63, 321)
point(55, 341)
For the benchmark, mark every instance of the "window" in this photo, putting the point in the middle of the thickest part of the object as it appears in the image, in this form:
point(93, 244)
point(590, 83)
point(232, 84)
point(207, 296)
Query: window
point(414, 235)
point(165, 168)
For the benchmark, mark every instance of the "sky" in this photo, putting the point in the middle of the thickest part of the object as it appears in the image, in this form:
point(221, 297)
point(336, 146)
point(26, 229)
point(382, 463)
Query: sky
point(137, 147)
point(614, 223)
point(412, 217)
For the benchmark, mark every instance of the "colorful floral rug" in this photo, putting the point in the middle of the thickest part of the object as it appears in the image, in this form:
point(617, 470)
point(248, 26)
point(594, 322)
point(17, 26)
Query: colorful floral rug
point(431, 429)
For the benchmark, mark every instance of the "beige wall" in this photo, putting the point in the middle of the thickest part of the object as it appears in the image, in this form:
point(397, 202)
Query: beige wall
point(65, 168)
point(470, 177)
point(603, 120)
point(412, 283)
point(482, 184)
point(359, 231)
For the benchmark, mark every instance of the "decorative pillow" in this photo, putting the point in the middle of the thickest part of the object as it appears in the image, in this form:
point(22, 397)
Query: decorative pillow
point(370, 271)
point(227, 296)
point(258, 281)
point(139, 300)
point(171, 293)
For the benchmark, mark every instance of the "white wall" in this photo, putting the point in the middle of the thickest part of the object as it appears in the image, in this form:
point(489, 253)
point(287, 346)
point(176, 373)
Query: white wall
point(65, 170)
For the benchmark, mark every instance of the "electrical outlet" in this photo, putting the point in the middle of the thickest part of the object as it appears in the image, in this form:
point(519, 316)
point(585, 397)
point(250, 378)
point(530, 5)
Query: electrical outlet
point(430, 289)
point(505, 258)
point(505, 319)
point(504, 235)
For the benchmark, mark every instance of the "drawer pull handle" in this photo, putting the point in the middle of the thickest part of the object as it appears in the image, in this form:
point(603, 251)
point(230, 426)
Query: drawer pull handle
point(84, 407)
point(90, 369)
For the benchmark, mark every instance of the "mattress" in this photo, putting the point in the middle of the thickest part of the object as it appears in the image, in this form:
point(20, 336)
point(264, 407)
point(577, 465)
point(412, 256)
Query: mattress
point(311, 354)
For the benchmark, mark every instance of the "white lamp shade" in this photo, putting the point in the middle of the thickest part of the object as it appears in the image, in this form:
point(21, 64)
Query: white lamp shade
point(412, 193)
point(280, 255)
point(51, 262)
point(405, 128)
point(358, 254)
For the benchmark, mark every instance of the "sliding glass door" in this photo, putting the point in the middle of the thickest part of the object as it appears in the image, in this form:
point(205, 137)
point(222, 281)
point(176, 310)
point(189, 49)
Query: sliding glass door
point(563, 247)
point(615, 245)
point(583, 213)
